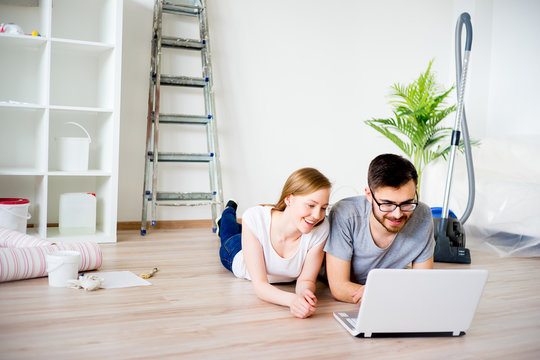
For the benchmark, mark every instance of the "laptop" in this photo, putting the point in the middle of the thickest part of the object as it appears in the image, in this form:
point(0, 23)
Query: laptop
point(407, 302)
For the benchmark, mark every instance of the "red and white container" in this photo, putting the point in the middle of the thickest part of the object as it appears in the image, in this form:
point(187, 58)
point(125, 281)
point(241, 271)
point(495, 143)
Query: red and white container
point(14, 213)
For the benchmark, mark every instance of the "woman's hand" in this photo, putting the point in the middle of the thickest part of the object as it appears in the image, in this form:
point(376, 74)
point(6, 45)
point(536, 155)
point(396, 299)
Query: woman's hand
point(304, 305)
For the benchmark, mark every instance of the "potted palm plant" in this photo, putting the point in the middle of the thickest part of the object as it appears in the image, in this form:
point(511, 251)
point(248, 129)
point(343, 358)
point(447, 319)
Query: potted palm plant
point(418, 109)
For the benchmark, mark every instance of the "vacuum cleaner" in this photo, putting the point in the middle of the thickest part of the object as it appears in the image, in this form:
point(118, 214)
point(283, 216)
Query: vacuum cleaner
point(449, 234)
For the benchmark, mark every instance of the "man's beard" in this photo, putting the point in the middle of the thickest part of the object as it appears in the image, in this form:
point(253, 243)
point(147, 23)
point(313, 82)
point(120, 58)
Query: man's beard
point(392, 229)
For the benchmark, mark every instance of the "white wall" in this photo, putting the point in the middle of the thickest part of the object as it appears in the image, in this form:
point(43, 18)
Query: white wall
point(294, 81)
point(515, 56)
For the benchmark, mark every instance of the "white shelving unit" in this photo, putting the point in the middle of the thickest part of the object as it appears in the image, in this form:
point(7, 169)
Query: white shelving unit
point(71, 72)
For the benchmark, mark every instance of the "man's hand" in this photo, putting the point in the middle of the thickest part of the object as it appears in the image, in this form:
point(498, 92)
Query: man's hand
point(357, 295)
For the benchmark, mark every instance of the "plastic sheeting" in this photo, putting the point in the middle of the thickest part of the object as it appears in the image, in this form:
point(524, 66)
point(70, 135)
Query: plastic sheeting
point(504, 219)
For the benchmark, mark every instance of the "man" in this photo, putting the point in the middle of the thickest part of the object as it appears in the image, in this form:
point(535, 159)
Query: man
point(386, 228)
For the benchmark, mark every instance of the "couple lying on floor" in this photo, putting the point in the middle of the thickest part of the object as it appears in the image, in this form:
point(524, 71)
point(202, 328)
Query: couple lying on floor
point(386, 228)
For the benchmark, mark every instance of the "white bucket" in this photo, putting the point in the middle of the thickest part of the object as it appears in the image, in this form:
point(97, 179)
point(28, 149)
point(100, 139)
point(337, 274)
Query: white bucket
point(63, 266)
point(73, 151)
point(14, 213)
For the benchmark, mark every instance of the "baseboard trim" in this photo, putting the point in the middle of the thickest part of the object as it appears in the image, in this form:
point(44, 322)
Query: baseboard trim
point(161, 224)
point(166, 224)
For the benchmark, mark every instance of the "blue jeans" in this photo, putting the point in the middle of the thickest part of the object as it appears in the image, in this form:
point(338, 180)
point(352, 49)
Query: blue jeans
point(230, 233)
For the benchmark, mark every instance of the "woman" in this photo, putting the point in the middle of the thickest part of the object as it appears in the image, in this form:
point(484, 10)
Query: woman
point(281, 243)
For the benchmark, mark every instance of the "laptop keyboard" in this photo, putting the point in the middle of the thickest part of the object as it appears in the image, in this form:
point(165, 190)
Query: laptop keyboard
point(348, 318)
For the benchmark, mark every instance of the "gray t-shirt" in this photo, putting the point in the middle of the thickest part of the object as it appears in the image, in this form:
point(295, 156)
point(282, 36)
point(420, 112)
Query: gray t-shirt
point(350, 238)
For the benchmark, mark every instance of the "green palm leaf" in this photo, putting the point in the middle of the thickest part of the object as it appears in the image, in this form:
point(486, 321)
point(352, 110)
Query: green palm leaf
point(418, 110)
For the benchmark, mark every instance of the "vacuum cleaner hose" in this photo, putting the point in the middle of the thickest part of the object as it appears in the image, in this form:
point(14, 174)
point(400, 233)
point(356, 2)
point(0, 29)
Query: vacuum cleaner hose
point(465, 19)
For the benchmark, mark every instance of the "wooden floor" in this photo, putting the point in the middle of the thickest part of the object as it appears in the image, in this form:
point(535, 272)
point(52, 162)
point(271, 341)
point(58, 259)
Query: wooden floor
point(197, 309)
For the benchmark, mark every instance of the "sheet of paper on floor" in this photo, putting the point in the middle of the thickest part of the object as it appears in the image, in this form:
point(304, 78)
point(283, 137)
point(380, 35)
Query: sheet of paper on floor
point(120, 279)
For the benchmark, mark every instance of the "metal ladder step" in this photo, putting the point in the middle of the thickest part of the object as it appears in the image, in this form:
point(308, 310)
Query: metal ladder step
point(187, 81)
point(183, 119)
point(188, 44)
point(180, 9)
point(182, 196)
point(182, 199)
point(181, 157)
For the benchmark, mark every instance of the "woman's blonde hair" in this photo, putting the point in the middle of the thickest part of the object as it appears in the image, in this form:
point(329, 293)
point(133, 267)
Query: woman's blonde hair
point(302, 182)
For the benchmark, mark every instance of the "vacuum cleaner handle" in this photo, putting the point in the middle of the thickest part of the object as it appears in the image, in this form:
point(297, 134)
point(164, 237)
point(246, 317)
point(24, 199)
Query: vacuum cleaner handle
point(465, 18)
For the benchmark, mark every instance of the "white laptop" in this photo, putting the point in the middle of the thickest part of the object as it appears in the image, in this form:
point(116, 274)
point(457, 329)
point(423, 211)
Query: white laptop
point(406, 302)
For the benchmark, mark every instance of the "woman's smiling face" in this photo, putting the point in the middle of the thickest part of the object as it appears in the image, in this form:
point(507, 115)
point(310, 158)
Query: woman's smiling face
point(308, 210)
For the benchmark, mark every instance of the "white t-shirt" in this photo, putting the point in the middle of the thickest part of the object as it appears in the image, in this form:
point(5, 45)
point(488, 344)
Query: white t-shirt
point(278, 269)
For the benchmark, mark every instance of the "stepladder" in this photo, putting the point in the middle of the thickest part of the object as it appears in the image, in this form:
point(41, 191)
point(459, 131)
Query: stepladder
point(181, 113)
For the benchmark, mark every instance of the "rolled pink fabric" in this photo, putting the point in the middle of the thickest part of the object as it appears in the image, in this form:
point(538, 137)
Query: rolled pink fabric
point(23, 256)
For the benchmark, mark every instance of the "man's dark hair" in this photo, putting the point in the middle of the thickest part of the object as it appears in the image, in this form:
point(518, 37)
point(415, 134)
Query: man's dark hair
point(391, 170)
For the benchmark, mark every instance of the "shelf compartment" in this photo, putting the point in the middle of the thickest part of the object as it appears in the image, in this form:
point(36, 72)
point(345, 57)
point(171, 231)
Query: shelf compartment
point(24, 138)
point(29, 18)
point(99, 125)
point(85, 20)
point(82, 75)
point(105, 204)
point(23, 70)
point(32, 188)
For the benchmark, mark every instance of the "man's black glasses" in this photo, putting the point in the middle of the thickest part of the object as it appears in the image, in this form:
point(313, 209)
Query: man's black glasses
point(389, 207)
